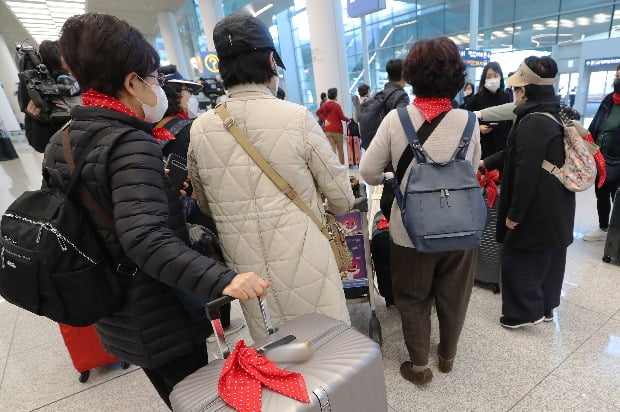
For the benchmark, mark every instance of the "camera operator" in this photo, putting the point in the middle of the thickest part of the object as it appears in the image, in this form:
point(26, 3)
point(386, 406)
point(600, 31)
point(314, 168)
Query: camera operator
point(40, 126)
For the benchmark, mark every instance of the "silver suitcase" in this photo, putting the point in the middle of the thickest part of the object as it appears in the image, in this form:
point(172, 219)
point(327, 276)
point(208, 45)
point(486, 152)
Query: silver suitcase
point(344, 374)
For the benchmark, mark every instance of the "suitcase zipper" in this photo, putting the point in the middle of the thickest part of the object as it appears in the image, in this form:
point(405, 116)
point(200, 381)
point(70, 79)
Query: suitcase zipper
point(315, 343)
point(62, 240)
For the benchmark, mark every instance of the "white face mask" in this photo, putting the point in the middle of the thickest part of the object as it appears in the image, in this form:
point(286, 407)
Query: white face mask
point(192, 107)
point(153, 114)
point(492, 85)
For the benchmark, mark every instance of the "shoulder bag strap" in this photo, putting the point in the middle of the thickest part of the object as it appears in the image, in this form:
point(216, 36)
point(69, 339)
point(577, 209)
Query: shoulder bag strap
point(76, 170)
point(423, 134)
point(275, 177)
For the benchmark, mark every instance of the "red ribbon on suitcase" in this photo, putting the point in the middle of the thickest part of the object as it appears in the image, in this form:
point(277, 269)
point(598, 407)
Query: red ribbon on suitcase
point(244, 373)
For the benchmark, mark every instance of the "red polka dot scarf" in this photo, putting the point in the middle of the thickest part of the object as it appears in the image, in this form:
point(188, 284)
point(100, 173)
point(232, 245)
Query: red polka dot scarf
point(94, 98)
point(432, 107)
point(244, 373)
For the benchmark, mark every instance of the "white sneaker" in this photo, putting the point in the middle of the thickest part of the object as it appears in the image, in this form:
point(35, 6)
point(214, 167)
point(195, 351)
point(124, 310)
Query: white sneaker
point(596, 235)
point(235, 326)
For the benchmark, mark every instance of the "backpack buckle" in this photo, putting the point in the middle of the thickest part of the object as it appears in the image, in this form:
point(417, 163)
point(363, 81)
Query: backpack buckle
point(228, 122)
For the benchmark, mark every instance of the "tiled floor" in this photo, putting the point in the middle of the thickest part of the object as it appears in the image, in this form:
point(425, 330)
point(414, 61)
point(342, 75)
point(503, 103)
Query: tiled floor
point(570, 364)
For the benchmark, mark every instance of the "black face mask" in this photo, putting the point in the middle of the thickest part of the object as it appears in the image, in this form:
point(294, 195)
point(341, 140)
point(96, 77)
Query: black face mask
point(617, 86)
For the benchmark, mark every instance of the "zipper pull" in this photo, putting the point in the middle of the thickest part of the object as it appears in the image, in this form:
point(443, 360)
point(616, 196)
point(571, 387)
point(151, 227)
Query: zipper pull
point(2, 257)
point(63, 247)
point(441, 196)
point(38, 240)
point(447, 197)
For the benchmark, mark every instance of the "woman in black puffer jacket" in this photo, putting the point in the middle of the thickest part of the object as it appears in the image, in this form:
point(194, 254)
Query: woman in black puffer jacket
point(125, 174)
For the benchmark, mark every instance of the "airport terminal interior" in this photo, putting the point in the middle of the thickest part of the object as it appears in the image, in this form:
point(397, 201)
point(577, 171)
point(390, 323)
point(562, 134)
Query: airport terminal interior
point(571, 363)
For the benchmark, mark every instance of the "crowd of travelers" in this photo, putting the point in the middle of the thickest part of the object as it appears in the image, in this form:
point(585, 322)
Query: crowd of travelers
point(269, 246)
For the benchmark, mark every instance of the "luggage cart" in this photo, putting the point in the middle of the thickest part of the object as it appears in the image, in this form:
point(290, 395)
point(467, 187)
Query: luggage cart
point(359, 281)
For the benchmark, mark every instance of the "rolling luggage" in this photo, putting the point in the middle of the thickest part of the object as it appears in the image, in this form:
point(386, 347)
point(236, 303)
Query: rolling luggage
point(353, 144)
point(380, 252)
point(86, 350)
point(612, 241)
point(488, 272)
point(345, 372)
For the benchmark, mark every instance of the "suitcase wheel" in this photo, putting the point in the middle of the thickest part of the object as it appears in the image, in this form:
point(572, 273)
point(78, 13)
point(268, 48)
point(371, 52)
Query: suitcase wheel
point(496, 289)
point(84, 376)
point(125, 365)
point(606, 259)
point(374, 330)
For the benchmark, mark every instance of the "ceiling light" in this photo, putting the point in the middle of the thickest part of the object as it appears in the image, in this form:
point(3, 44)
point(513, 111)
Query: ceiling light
point(583, 21)
point(552, 23)
point(537, 26)
point(567, 23)
point(264, 9)
point(49, 15)
point(509, 29)
point(601, 18)
point(500, 34)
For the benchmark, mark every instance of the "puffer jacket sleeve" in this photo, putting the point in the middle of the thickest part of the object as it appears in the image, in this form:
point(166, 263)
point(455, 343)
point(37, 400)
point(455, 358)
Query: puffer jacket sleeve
point(330, 176)
point(197, 185)
point(136, 174)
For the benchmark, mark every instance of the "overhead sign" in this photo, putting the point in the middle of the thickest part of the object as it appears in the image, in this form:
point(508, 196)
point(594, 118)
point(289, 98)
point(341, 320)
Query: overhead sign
point(359, 8)
point(476, 58)
point(207, 63)
point(610, 61)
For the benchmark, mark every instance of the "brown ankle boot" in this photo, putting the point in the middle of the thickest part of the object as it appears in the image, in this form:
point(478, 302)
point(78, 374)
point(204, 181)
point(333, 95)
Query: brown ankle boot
point(419, 378)
point(445, 365)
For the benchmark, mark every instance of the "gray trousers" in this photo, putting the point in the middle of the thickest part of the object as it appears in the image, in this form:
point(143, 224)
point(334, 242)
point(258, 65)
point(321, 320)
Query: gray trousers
point(421, 279)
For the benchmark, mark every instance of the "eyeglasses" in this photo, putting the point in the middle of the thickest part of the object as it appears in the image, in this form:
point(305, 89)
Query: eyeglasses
point(161, 79)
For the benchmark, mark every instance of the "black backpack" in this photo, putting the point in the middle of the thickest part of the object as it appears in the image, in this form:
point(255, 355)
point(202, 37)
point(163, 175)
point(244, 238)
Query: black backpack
point(372, 112)
point(52, 262)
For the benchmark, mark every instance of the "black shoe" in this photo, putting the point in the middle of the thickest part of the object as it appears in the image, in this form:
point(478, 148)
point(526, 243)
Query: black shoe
point(548, 316)
point(517, 323)
point(389, 301)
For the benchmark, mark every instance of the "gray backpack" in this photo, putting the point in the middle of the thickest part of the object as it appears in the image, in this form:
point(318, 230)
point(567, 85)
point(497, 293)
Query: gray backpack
point(442, 207)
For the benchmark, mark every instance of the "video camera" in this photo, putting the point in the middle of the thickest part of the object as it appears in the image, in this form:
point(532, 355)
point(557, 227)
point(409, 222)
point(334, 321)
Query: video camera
point(36, 83)
point(212, 89)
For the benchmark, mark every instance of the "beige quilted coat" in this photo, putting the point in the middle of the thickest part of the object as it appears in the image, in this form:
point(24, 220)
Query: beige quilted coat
point(260, 229)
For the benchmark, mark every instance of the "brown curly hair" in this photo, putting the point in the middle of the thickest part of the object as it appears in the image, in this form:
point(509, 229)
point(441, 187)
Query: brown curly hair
point(434, 68)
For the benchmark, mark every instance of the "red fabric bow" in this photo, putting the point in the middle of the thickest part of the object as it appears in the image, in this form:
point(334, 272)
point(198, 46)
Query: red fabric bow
point(383, 223)
point(616, 98)
point(246, 370)
point(600, 162)
point(432, 107)
point(489, 181)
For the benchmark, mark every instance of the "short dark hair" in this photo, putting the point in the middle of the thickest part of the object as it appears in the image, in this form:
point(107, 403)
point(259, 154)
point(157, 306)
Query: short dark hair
point(50, 55)
point(252, 67)
point(323, 96)
point(394, 69)
point(473, 88)
point(363, 90)
point(173, 93)
point(332, 93)
point(102, 50)
point(498, 69)
point(545, 67)
point(434, 68)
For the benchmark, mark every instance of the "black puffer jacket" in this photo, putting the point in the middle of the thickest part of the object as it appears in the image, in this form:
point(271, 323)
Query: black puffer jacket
point(396, 96)
point(612, 155)
point(544, 208)
point(126, 175)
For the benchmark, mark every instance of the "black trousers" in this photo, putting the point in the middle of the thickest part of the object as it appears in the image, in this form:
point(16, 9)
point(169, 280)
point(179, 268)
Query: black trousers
point(531, 282)
point(605, 195)
point(169, 374)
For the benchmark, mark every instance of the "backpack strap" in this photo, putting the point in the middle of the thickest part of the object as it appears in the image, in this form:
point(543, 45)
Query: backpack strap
point(76, 171)
point(414, 141)
point(461, 150)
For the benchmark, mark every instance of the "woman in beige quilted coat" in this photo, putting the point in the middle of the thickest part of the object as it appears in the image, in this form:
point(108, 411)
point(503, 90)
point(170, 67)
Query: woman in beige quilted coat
point(259, 227)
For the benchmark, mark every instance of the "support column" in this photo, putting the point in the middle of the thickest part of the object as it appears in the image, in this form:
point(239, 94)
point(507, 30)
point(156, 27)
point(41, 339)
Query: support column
point(287, 52)
point(365, 64)
point(9, 81)
point(474, 11)
point(172, 42)
point(211, 12)
point(328, 50)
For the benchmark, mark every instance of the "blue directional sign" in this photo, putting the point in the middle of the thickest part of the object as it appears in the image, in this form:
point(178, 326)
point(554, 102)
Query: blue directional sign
point(610, 61)
point(475, 58)
point(359, 8)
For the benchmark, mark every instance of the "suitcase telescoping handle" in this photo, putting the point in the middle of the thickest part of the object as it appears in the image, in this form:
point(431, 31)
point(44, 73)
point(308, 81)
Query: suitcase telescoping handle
point(213, 312)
